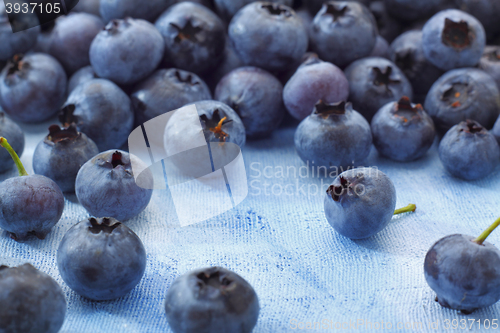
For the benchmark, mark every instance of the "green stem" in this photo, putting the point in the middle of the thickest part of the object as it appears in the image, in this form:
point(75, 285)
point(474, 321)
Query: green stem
point(487, 232)
point(17, 161)
point(407, 209)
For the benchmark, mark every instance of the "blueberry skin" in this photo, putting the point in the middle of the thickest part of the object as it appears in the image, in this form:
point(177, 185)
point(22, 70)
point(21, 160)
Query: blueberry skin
point(464, 274)
point(30, 301)
point(360, 202)
point(194, 37)
point(15, 136)
point(343, 32)
point(314, 80)
point(60, 155)
point(14, 43)
point(409, 10)
point(126, 51)
point(402, 131)
point(460, 94)
point(388, 27)
point(490, 62)
point(227, 8)
point(32, 87)
point(88, 6)
point(268, 35)
point(102, 111)
point(381, 48)
point(256, 96)
point(374, 82)
point(468, 151)
point(486, 11)
point(101, 259)
point(30, 205)
point(71, 39)
point(333, 136)
point(315, 5)
point(166, 90)
point(496, 130)
point(105, 185)
point(445, 44)
point(146, 10)
point(80, 76)
point(210, 300)
point(407, 53)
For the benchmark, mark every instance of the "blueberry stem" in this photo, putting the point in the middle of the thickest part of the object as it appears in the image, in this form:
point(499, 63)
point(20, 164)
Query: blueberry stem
point(487, 232)
point(17, 161)
point(407, 209)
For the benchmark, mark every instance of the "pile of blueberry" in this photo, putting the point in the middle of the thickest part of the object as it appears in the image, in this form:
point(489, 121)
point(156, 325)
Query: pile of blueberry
point(394, 74)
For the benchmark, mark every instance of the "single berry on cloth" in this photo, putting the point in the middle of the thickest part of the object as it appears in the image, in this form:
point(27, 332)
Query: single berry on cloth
point(101, 259)
point(333, 136)
point(461, 94)
point(314, 80)
point(468, 151)
point(31, 205)
point(342, 32)
point(374, 82)
point(209, 300)
point(402, 131)
point(61, 154)
point(268, 35)
point(13, 133)
point(32, 87)
point(256, 96)
point(106, 185)
point(452, 39)
point(30, 301)
point(360, 202)
point(464, 271)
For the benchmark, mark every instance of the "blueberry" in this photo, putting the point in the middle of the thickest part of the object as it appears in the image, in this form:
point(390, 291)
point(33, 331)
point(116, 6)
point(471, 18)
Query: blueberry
point(315, 5)
point(402, 131)
point(13, 133)
point(343, 32)
point(490, 62)
point(381, 48)
point(460, 94)
point(146, 10)
point(256, 96)
point(60, 155)
point(101, 259)
point(30, 301)
point(388, 27)
point(374, 82)
point(468, 151)
point(88, 6)
point(407, 53)
point(14, 43)
point(229, 62)
point(410, 10)
point(30, 204)
point(314, 80)
point(126, 51)
point(333, 136)
point(453, 39)
point(227, 8)
point(486, 11)
point(106, 185)
point(71, 39)
point(268, 35)
point(32, 87)
point(464, 271)
point(102, 111)
point(360, 202)
point(194, 37)
point(209, 300)
point(496, 130)
point(80, 76)
point(166, 90)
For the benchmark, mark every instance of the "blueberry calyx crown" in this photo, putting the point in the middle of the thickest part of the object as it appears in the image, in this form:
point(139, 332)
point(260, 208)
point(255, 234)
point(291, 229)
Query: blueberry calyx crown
point(325, 110)
point(404, 60)
point(277, 9)
point(189, 79)
point(471, 126)
point(66, 134)
point(404, 110)
point(335, 11)
point(335, 191)
point(116, 159)
point(383, 78)
point(456, 95)
point(214, 278)
point(188, 32)
point(456, 34)
point(16, 65)
point(113, 27)
point(215, 125)
point(106, 225)
point(310, 59)
point(66, 116)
